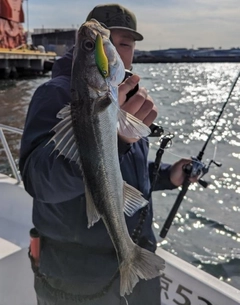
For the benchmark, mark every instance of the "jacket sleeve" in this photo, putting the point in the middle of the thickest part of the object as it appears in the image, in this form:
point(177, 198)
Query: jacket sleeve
point(46, 177)
point(163, 180)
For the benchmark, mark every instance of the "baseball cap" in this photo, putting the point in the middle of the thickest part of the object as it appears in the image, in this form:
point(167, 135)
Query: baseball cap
point(115, 16)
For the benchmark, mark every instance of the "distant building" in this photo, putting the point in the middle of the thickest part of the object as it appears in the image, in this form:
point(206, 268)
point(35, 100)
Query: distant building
point(177, 55)
point(54, 40)
point(51, 30)
point(206, 48)
point(143, 56)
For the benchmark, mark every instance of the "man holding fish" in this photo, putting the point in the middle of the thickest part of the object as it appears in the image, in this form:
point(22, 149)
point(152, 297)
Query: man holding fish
point(84, 162)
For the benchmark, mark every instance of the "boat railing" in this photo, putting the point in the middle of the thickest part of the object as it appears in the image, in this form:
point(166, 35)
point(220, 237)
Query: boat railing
point(7, 149)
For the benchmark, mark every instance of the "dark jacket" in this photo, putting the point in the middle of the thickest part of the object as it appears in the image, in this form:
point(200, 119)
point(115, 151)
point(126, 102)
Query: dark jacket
point(59, 210)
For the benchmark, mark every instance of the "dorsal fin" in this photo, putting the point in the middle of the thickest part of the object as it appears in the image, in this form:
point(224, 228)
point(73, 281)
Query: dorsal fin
point(64, 137)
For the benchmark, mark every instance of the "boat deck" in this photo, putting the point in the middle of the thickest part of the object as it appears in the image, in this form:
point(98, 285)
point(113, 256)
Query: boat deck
point(14, 225)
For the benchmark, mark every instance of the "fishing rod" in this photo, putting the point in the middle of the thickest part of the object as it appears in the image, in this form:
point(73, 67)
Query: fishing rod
point(156, 131)
point(195, 169)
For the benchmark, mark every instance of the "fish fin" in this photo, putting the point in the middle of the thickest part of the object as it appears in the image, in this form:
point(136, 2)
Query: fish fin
point(131, 127)
point(64, 112)
point(64, 137)
point(133, 200)
point(92, 214)
point(145, 265)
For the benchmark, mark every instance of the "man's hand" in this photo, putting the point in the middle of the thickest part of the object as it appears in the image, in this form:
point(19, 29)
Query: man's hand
point(177, 174)
point(140, 104)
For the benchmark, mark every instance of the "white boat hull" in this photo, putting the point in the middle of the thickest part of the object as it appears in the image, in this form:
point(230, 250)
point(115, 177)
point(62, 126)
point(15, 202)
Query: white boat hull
point(185, 284)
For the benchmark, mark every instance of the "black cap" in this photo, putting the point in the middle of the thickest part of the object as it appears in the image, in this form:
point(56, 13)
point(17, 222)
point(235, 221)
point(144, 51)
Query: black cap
point(115, 16)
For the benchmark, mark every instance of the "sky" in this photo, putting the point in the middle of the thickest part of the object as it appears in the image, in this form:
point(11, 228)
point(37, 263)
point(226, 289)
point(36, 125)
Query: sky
point(163, 23)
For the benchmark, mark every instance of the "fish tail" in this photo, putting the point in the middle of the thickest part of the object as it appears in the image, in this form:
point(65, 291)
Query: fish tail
point(144, 265)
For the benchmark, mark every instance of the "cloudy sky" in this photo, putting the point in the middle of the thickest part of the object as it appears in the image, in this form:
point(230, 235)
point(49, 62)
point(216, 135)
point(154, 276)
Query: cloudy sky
point(163, 23)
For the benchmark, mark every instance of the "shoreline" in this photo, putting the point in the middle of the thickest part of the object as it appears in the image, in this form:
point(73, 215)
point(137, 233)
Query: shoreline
point(202, 59)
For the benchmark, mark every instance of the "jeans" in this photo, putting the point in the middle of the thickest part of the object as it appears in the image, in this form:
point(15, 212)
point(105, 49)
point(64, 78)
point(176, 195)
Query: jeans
point(144, 293)
point(75, 275)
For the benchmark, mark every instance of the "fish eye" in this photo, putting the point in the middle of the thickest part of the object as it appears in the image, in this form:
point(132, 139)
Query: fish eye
point(88, 45)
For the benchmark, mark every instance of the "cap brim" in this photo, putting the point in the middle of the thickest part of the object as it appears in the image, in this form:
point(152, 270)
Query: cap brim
point(136, 35)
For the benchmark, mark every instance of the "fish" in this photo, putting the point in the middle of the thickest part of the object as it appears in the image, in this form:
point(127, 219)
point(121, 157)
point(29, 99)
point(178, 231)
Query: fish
point(87, 134)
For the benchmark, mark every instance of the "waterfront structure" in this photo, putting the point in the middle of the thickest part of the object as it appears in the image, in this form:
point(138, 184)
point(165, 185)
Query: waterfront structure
point(176, 55)
point(18, 62)
point(17, 54)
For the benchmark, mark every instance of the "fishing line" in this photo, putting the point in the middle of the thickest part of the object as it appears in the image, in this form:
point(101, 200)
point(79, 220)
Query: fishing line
point(215, 151)
point(175, 155)
point(166, 151)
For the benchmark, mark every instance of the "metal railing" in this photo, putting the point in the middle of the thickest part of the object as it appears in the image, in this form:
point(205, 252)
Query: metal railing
point(7, 149)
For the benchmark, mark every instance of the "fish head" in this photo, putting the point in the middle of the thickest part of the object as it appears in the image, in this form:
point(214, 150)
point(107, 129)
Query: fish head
point(96, 61)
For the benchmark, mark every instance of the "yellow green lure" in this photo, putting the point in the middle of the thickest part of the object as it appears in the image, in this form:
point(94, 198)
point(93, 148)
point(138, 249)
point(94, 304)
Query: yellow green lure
point(100, 57)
